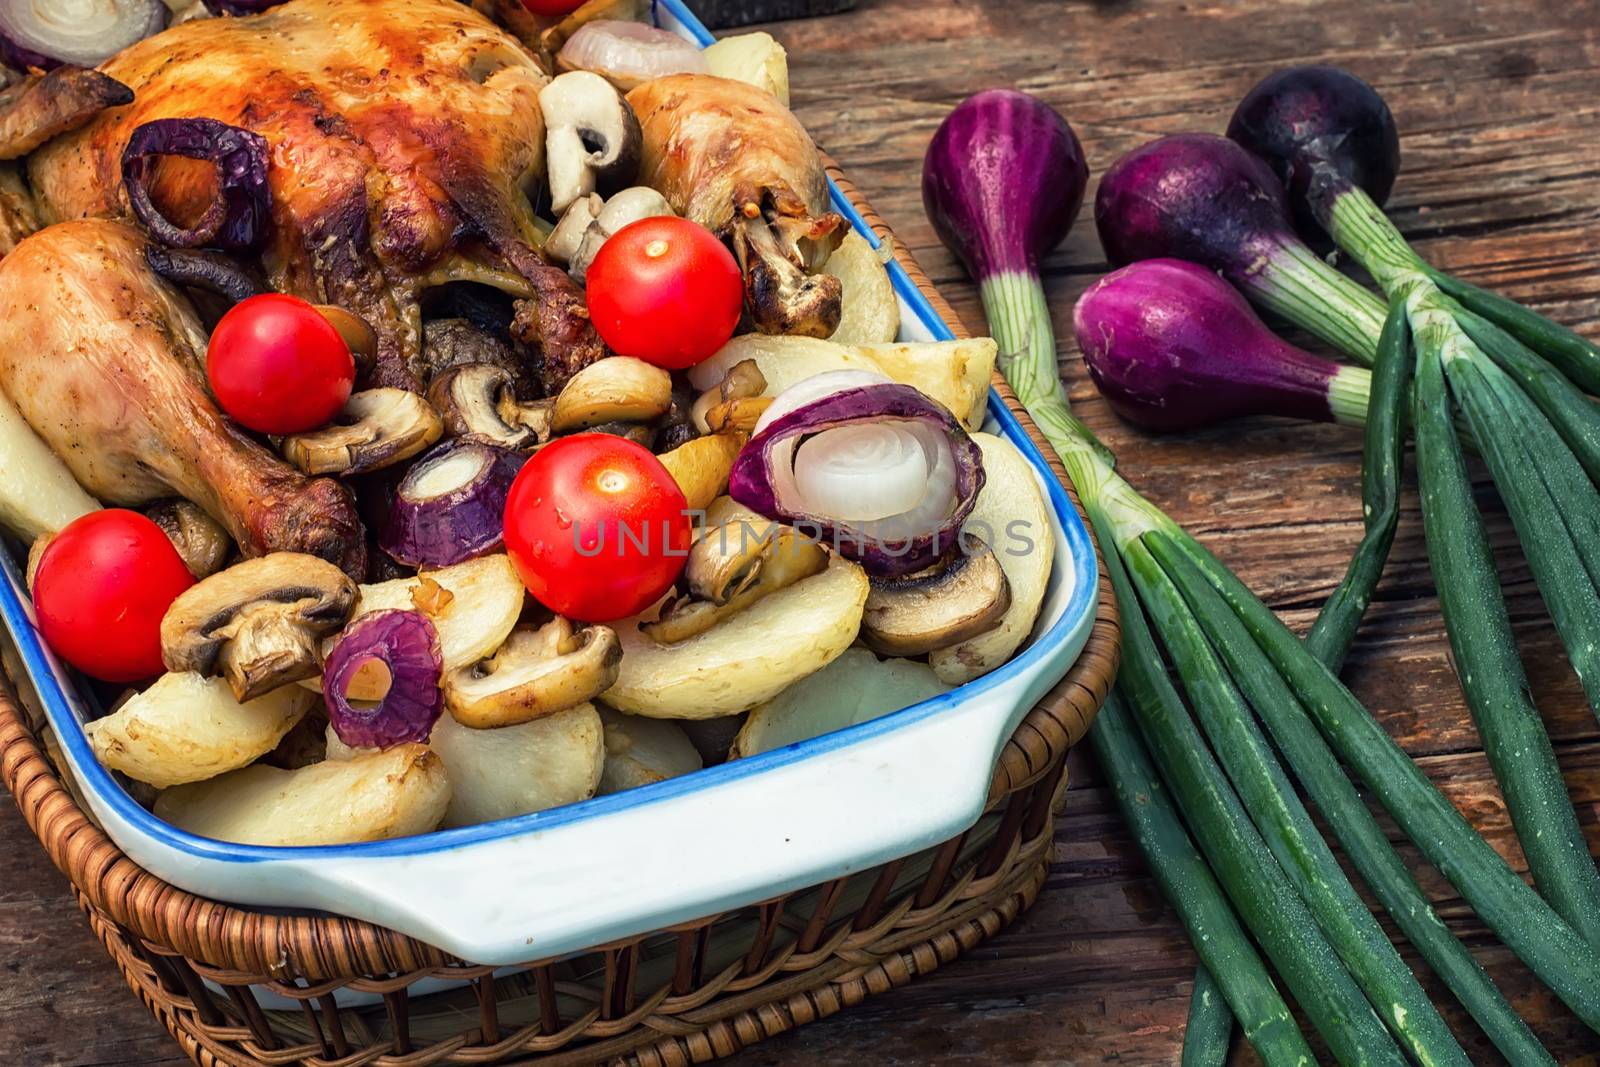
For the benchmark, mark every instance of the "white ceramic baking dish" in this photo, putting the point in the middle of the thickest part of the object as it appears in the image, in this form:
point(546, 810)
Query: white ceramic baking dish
point(559, 881)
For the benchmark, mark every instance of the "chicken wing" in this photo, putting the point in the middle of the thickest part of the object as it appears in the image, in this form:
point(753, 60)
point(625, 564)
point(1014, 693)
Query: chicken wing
point(731, 157)
point(104, 360)
point(405, 141)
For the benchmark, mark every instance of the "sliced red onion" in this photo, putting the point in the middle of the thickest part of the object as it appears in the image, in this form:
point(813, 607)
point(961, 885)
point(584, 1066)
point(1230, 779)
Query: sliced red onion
point(451, 505)
point(628, 54)
point(81, 33)
point(404, 646)
point(238, 218)
point(876, 469)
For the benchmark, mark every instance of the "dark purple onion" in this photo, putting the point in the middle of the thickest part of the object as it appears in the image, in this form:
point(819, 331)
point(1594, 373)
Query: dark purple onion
point(887, 555)
point(32, 35)
point(199, 269)
point(238, 219)
point(1322, 130)
point(463, 523)
point(1174, 347)
point(406, 643)
point(1002, 181)
point(1192, 196)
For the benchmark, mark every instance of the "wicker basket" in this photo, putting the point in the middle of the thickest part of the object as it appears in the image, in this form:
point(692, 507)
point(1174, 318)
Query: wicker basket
point(239, 987)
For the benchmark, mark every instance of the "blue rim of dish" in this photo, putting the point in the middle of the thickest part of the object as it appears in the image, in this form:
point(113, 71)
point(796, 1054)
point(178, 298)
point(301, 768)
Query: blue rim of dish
point(43, 670)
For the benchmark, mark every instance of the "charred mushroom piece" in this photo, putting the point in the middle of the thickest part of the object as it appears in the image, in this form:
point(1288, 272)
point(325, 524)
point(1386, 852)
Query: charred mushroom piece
point(258, 624)
point(965, 596)
point(592, 138)
point(377, 428)
point(615, 389)
point(478, 403)
point(739, 559)
point(201, 541)
point(537, 672)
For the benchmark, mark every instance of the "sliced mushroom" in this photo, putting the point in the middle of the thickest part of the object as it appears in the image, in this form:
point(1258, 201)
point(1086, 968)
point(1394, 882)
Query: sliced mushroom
point(734, 404)
point(563, 242)
point(623, 209)
point(377, 428)
point(965, 596)
point(739, 559)
point(478, 402)
point(361, 338)
point(258, 624)
point(200, 540)
point(537, 672)
point(614, 389)
point(592, 137)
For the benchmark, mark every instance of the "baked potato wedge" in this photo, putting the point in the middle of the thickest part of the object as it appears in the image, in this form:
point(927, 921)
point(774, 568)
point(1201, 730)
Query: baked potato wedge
point(755, 58)
point(398, 792)
point(511, 770)
point(869, 310)
point(855, 688)
point(474, 608)
point(1011, 515)
point(955, 373)
point(701, 467)
point(186, 728)
point(746, 659)
point(640, 751)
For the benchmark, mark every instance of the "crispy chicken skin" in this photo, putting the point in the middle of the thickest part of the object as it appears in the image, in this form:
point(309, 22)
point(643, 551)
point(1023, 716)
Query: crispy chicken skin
point(403, 136)
point(731, 157)
point(105, 362)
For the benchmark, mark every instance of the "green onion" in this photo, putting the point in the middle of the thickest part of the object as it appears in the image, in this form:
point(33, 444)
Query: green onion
point(1577, 357)
point(1190, 886)
point(1561, 958)
point(1285, 824)
point(1383, 459)
point(1266, 900)
point(1513, 734)
point(1209, 1029)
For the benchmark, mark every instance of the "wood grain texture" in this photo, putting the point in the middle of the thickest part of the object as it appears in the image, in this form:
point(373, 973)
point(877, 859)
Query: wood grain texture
point(1500, 120)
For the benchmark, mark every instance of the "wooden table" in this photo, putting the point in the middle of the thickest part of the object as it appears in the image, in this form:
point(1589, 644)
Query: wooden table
point(1498, 106)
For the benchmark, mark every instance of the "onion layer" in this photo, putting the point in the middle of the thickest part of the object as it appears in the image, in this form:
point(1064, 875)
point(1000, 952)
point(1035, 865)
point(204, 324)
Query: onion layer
point(80, 33)
point(237, 219)
point(874, 468)
point(401, 645)
point(451, 504)
point(628, 54)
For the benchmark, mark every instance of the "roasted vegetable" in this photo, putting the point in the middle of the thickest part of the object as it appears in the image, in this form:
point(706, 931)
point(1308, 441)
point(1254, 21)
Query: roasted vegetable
point(399, 792)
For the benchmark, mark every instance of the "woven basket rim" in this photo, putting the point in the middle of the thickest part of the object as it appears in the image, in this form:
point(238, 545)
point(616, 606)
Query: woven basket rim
point(316, 947)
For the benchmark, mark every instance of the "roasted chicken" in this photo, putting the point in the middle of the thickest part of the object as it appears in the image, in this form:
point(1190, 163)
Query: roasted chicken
point(405, 143)
point(33, 109)
point(105, 361)
point(731, 157)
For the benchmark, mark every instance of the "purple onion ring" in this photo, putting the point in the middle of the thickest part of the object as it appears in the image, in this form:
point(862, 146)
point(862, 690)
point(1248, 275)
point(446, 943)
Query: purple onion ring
point(406, 643)
point(238, 219)
point(753, 483)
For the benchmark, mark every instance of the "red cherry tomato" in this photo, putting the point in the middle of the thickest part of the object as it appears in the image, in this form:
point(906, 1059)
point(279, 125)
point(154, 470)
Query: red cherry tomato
point(277, 366)
point(597, 527)
point(102, 586)
point(666, 291)
point(552, 7)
